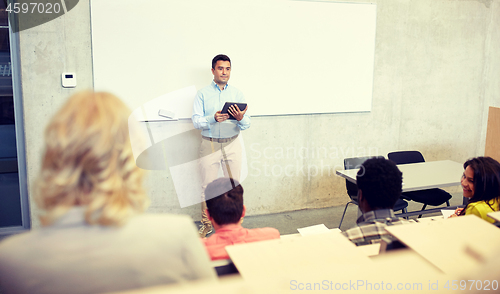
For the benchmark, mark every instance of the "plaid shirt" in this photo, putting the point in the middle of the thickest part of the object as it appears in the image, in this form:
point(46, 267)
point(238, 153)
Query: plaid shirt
point(371, 227)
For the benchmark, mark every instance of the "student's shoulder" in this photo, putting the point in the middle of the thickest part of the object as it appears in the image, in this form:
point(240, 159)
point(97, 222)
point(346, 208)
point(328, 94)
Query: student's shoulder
point(212, 240)
point(207, 89)
point(479, 208)
point(354, 234)
point(170, 222)
point(271, 232)
point(170, 230)
point(476, 205)
point(17, 243)
point(269, 229)
point(234, 90)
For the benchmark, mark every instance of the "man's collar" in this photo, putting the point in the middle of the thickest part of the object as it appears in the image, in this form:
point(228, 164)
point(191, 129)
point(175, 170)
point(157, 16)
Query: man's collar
point(373, 215)
point(229, 227)
point(214, 84)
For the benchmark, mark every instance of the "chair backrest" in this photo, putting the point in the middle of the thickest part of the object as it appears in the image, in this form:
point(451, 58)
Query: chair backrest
point(352, 163)
point(403, 157)
point(227, 269)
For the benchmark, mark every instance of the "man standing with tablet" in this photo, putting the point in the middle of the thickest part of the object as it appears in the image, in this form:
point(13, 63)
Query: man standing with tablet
point(219, 131)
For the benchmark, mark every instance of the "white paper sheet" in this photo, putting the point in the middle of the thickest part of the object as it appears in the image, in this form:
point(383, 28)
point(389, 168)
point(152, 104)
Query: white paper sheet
point(316, 229)
point(447, 212)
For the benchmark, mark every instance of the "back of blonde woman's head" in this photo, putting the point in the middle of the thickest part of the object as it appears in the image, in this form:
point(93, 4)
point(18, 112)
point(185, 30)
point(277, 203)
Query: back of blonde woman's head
point(88, 161)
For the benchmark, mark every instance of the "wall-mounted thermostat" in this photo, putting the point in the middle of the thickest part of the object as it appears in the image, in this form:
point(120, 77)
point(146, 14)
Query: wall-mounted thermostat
point(69, 80)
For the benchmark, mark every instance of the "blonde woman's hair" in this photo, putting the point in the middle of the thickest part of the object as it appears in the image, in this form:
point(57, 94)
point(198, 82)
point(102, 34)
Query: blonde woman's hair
point(88, 161)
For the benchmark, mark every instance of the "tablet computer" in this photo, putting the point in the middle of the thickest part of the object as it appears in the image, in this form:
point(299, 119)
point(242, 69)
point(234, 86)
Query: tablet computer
point(241, 106)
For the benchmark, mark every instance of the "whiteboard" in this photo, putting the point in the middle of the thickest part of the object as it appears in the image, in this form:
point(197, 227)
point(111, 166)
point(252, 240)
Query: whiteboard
point(288, 57)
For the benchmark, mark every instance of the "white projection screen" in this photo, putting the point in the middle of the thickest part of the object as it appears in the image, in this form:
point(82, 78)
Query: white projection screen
point(288, 57)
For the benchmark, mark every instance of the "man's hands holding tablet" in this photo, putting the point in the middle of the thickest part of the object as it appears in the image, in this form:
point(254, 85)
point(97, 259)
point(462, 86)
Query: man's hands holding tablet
point(235, 111)
point(231, 111)
point(220, 117)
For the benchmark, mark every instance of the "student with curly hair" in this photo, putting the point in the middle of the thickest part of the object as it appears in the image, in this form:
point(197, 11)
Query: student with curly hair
point(94, 238)
point(379, 187)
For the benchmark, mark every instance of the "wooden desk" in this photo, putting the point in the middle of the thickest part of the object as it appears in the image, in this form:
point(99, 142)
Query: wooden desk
point(402, 268)
point(295, 255)
point(422, 175)
point(457, 245)
point(233, 285)
point(328, 259)
point(367, 250)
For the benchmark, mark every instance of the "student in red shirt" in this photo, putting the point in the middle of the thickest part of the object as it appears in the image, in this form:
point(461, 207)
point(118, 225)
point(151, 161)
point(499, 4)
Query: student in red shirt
point(225, 210)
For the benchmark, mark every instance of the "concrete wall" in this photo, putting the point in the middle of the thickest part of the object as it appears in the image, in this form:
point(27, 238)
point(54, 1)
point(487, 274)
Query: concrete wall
point(436, 73)
point(48, 50)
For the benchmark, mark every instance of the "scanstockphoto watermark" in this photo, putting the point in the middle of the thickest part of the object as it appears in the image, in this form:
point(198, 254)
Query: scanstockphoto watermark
point(366, 285)
point(310, 151)
point(295, 169)
point(306, 161)
point(357, 285)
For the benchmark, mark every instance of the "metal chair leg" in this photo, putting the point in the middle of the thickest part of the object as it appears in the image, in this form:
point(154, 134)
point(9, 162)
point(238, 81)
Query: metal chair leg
point(423, 208)
point(345, 209)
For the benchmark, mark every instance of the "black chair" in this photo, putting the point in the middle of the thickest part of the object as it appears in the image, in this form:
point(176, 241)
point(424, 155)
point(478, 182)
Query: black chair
point(352, 189)
point(432, 197)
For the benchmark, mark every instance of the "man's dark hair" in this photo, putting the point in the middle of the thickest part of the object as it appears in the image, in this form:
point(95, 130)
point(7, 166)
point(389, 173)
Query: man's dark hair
point(225, 201)
point(380, 181)
point(220, 57)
